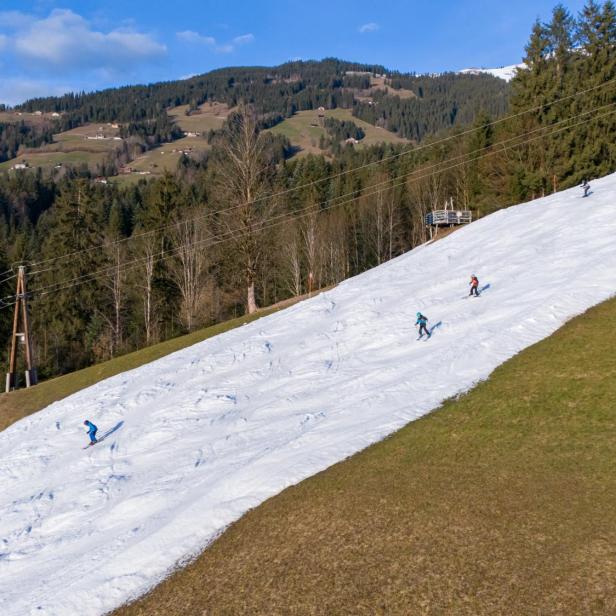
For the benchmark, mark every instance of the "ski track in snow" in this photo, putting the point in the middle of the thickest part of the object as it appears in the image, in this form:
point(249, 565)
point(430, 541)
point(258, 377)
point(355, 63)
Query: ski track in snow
point(213, 430)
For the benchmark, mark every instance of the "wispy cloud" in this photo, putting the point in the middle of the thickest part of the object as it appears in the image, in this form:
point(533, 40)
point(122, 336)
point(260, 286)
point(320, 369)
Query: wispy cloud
point(369, 27)
point(16, 89)
point(244, 39)
point(189, 36)
point(61, 51)
point(65, 40)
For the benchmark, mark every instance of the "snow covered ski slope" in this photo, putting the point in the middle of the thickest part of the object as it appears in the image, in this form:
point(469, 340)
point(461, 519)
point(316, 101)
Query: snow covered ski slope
point(203, 435)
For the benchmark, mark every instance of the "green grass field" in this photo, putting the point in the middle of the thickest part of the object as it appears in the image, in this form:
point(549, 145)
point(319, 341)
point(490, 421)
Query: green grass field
point(502, 502)
point(303, 130)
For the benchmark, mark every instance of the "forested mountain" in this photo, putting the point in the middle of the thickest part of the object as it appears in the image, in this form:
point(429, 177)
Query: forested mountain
point(442, 101)
point(439, 102)
point(243, 226)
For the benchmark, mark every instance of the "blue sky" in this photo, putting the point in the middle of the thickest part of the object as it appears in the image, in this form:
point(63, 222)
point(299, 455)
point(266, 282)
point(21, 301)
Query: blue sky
point(48, 46)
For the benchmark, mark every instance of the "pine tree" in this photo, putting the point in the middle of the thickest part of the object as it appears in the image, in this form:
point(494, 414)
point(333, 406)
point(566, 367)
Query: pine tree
point(595, 153)
point(65, 316)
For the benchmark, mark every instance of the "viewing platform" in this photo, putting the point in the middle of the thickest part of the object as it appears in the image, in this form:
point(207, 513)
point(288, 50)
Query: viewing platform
point(438, 218)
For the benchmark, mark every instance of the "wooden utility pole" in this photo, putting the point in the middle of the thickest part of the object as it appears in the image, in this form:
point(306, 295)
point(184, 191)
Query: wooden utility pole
point(23, 337)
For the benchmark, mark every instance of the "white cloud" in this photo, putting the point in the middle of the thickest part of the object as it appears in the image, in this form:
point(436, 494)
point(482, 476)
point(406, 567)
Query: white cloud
point(65, 41)
point(16, 90)
point(369, 27)
point(15, 19)
point(189, 36)
point(244, 39)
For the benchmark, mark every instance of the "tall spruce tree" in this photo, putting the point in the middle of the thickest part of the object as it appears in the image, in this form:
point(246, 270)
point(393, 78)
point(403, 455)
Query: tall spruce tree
point(595, 153)
point(65, 318)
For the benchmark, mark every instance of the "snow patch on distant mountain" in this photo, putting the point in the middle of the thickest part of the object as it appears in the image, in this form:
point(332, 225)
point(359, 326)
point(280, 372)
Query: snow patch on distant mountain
point(504, 72)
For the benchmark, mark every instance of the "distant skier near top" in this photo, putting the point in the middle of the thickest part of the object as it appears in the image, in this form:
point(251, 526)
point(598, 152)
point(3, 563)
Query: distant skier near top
point(92, 430)
point(474, 286)
point(422, 321)
point(586, 187)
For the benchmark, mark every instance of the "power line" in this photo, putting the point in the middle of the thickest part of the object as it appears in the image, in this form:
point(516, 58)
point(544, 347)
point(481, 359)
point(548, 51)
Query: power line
point(289, 216)
point(334, 176)
point(84, 278)
point(8, 278)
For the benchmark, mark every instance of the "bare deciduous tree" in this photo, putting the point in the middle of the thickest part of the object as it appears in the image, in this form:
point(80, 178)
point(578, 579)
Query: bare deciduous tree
point(148, 248)
point(188, 268)
point(292, 260)
point(114, 280)
point(242, 171)
point(310, 239)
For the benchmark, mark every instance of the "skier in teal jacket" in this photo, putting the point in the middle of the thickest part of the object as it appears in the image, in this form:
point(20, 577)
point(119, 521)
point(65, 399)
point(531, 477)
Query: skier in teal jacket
point(422, 321)
point(92, 430)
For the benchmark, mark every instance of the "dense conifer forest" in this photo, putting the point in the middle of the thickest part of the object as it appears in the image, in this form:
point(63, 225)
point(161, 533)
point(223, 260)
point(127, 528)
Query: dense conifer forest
point(276, 93)
point(113, 268)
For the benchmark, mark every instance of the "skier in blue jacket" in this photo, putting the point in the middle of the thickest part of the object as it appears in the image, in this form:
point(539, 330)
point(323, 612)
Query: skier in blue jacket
point(422, 321)
point(92, 430)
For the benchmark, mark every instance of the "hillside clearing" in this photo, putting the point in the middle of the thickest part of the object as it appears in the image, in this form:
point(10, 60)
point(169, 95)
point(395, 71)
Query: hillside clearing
point(165, 157)
point(304, 130)
point(72, 148)
point(47, 160)
point(210, 116)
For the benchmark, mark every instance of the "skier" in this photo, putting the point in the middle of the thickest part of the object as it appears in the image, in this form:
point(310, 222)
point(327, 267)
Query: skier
point(586, 187)
point(422, 322)
point(92, 429)
point(474, 285)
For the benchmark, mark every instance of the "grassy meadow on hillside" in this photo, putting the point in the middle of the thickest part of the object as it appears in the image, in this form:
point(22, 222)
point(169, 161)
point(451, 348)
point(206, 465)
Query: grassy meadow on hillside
point(304, 129)
point(72, 148)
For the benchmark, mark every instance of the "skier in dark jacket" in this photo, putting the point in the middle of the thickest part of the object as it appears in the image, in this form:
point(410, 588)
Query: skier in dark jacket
point(474, 286)
point(586, 187)
point(92, 430)
point(422, 321)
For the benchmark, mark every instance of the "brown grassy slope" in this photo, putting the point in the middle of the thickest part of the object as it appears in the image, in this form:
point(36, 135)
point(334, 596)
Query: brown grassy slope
point(503, 502)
